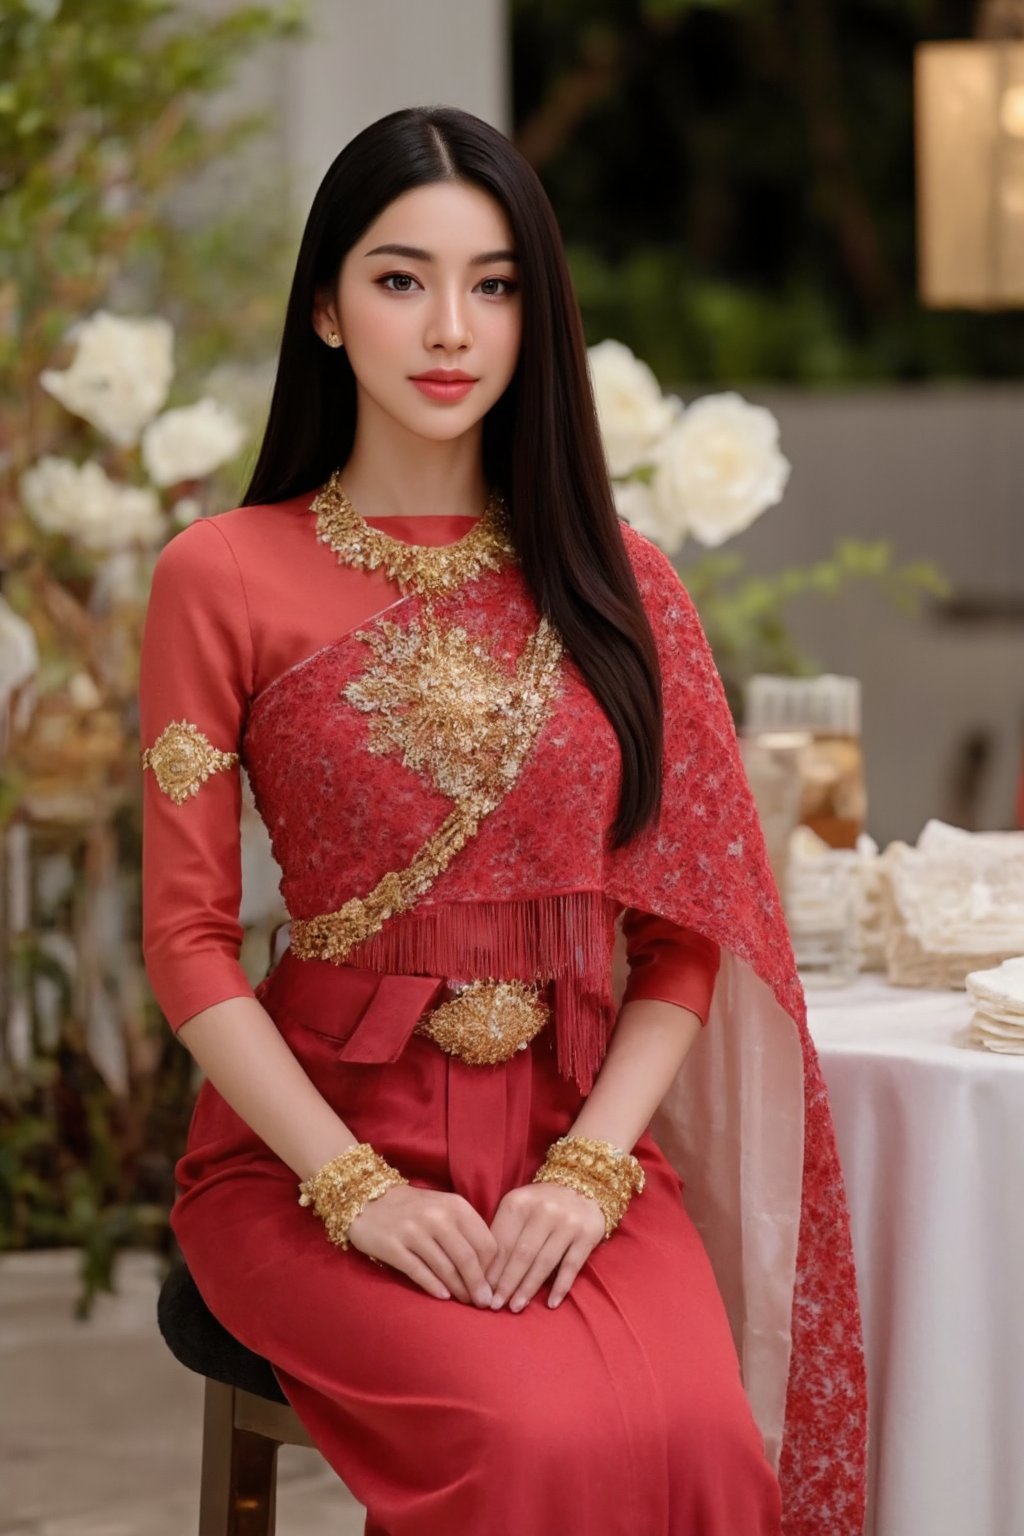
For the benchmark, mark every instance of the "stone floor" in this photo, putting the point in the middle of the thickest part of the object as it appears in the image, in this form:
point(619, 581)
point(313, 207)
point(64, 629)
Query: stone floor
point(100, 1426)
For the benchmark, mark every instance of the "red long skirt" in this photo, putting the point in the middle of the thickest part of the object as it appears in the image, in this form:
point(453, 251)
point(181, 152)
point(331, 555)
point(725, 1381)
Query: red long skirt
point(619, 1413)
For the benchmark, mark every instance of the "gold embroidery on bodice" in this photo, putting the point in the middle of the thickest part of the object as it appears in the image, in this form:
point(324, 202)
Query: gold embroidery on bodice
point(442, 703)
point(447, 707)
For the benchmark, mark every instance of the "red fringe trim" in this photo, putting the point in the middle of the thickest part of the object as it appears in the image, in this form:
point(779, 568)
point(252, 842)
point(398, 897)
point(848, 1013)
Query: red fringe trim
point(567, 938)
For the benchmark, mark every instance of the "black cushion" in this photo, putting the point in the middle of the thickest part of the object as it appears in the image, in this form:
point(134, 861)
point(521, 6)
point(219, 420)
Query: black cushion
point(198, 1340)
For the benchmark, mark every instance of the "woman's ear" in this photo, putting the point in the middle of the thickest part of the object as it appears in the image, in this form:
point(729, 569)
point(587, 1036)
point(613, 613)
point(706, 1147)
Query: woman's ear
point(325, 321)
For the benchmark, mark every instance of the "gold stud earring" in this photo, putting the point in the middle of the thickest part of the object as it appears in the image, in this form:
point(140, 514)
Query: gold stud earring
point(333, 339)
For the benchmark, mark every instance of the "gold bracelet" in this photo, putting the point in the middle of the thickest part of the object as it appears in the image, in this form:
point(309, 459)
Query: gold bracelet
point(339, 1190)
point(599, 1169)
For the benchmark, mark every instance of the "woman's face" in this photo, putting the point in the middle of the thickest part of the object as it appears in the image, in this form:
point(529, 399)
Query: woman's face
point(431, 285)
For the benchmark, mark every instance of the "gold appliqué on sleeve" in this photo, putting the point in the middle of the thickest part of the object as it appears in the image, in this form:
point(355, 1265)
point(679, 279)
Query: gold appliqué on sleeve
point(182, 758)
point(450, 710)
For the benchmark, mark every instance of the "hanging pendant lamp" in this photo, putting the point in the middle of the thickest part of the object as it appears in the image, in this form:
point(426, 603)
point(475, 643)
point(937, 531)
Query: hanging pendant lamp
point(969, 118)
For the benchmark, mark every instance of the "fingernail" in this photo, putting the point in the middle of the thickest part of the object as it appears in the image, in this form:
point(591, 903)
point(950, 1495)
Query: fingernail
point(554, 1301)
point(496, 1303)
point(518, 1304)
point(484, 1295)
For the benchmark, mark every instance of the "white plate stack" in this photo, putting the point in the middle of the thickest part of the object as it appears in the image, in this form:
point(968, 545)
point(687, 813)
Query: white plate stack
point(998, 997)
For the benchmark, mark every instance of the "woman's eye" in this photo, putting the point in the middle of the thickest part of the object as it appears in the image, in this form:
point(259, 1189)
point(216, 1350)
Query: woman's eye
point(510, 286)
point(397, 277)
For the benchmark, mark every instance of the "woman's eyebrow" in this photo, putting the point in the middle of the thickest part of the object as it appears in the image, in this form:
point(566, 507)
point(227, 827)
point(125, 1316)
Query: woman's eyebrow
point(414, 253)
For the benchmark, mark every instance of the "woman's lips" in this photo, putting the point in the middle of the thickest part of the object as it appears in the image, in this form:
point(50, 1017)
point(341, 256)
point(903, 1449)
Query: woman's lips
point(436, 390)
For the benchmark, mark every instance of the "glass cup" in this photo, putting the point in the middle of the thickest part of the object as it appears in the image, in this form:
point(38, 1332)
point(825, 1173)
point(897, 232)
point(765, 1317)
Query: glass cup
point(821, 901)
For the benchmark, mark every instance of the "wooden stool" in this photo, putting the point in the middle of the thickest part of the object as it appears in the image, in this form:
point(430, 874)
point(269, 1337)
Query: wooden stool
point(246, 1415)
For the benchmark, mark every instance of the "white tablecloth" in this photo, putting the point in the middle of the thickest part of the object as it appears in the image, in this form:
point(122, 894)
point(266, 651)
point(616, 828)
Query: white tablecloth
point(931, 1139)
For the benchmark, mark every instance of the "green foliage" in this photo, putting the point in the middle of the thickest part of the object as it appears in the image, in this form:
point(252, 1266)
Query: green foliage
point(689, 326)
point(745, 616)
point(671, 10)
point(100, 120)
point(83, 1166)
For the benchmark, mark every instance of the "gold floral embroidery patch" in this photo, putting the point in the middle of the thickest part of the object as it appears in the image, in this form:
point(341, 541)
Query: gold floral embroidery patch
point(183, 758)
point(446, 706)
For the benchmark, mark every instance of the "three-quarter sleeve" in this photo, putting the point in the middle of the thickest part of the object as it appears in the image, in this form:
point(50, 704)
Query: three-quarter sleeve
point(668, 963)
point(195, 681)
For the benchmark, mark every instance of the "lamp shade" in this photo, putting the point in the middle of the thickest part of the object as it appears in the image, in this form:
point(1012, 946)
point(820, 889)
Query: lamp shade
point(969, 109)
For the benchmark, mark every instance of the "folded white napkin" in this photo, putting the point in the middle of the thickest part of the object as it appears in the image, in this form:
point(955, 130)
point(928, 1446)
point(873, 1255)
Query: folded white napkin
point(954, 904)
point(998, 996)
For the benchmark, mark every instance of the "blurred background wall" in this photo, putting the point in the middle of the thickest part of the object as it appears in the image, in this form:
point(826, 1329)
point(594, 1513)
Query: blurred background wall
point(359, 61)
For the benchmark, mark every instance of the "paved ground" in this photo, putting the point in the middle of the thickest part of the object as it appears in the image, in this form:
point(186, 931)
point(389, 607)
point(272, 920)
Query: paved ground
point(100, 1426)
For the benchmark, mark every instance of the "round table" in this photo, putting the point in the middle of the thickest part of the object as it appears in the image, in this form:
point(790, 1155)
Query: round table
point(930, 1129)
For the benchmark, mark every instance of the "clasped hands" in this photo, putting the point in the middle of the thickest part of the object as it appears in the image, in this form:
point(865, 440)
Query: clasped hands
point(537, 1229)
point(442, 1243)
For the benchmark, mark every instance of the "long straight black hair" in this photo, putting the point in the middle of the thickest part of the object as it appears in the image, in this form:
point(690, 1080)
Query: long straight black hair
point(541, 443)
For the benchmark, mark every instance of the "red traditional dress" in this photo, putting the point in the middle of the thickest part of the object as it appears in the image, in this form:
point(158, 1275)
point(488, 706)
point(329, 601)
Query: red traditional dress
point(438, 784)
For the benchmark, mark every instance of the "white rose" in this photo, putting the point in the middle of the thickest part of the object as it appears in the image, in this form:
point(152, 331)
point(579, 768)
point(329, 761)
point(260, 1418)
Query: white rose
point(720, 467)
point(189, 443)
point(120, 375)
point(632, 411)
point(19, 653)
point(82, 502)
point(636, 503)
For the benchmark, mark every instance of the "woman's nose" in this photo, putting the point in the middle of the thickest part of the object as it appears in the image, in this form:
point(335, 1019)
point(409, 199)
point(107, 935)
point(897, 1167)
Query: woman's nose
point(449, 322)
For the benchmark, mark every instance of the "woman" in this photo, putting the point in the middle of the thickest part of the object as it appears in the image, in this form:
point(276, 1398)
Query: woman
point(482, 725)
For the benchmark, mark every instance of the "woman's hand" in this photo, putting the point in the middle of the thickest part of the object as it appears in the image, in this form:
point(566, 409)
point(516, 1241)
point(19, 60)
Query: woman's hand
point(537, 1228)
point(431, 1235)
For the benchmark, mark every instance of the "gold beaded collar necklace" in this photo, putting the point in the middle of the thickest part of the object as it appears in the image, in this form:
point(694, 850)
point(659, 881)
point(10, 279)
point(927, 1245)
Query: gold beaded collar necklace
point(416, 567)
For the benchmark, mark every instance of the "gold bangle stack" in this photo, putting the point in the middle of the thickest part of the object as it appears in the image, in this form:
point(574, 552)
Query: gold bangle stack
point(605, 1172)
point(339, 1190)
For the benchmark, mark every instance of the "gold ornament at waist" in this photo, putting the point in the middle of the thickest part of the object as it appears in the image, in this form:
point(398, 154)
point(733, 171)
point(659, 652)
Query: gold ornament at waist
point(486, 1021)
